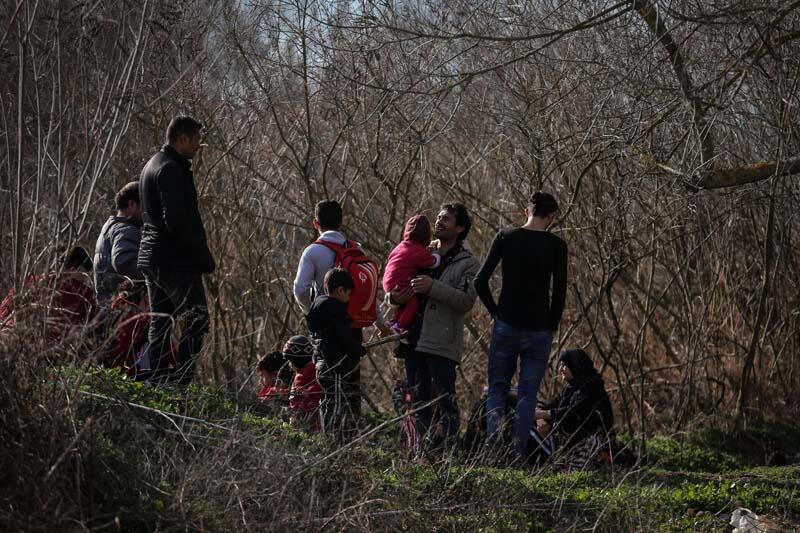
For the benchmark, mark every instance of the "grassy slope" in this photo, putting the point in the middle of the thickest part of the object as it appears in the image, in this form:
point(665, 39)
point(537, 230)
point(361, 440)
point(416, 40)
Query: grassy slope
point(161, 460)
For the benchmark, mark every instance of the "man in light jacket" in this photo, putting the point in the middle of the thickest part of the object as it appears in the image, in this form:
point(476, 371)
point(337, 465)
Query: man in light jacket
point(437, 337)
point(117, 246)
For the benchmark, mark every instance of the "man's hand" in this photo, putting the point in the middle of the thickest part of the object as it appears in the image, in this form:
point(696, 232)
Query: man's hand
point(422, 284)
point(402, 296)
point(541, 414)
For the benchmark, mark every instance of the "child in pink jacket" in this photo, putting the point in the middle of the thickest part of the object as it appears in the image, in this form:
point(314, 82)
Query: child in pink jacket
point(405, 262)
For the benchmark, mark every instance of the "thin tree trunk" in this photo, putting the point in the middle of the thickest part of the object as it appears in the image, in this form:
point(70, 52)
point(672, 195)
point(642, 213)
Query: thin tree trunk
point(746, 382)
point(17, 229)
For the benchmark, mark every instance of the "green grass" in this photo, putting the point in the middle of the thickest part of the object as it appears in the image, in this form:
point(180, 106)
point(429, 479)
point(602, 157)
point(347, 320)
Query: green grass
point(688, 483)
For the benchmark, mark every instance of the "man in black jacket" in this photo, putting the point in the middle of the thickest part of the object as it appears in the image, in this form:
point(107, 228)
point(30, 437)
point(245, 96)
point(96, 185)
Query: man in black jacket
point(174, 252)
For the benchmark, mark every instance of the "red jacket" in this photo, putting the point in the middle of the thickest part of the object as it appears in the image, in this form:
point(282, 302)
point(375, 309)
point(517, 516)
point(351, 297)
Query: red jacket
point(129, 330)
point(405, 261)
point(273, 389)
point(277, 392)
point(70, 300)
point(411, 255)
point(306, 392)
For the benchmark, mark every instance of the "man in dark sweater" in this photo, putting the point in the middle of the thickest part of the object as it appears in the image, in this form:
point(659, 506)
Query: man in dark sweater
point(339, 353)
point(174, 252)
point(527, 315)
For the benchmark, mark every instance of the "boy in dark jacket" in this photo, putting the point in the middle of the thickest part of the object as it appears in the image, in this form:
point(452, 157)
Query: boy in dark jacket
point(117, 248)
point(339, 352)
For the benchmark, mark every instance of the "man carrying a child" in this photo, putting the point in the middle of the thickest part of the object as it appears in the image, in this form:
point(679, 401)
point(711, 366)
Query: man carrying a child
point(436, 336)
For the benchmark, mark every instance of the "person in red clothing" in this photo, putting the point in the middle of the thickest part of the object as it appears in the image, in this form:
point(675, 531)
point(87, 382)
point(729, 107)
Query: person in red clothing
point(306, 392)
point(405, 261)
point(126, 332)
point(65, 301)
point(274, 377)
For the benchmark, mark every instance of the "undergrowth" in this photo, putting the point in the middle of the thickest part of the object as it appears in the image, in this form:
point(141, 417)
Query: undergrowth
point(122, 455)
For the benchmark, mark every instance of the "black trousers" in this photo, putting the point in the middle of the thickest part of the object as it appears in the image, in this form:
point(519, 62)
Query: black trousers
point(176, 301)
point(433, 376)
point(340, 378)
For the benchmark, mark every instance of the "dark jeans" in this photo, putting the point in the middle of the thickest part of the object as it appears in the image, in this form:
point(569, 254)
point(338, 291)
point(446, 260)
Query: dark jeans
point(533, 349)
point(340, 379)
point(426, 372)
point(178, 299)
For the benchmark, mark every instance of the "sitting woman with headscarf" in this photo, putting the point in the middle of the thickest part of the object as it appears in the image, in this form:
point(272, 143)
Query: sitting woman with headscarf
point(574, 426)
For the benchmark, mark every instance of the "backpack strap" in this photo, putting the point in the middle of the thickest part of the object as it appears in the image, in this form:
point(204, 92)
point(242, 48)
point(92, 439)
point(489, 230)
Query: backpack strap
point(335, 246)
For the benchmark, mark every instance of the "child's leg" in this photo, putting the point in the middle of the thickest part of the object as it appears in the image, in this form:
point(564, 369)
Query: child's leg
point(405, 314)
point(350, 395)
point(330, 381)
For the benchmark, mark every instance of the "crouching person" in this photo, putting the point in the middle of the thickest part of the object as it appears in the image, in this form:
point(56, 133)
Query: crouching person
point(339, 354)
point(574, 427)
point(306, 392)
point(274, 379)
point(117, 248)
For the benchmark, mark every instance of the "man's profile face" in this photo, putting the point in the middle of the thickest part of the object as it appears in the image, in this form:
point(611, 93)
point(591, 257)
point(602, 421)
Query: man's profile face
point(193, 144)
point(188, 145)
point(445, 227)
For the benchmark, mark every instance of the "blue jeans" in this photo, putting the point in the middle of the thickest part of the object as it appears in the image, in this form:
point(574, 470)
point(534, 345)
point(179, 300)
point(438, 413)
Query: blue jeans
point(533, 349)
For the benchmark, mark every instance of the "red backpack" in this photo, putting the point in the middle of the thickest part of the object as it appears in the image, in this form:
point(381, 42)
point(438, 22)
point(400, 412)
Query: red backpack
point(364, 272)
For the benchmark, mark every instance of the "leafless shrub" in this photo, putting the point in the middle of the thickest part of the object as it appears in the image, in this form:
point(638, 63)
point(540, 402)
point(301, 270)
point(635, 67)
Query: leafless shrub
point(667, 130)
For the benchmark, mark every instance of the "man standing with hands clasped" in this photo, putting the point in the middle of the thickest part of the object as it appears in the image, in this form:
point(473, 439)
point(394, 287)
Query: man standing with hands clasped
point(174, 252)
point(527, 315)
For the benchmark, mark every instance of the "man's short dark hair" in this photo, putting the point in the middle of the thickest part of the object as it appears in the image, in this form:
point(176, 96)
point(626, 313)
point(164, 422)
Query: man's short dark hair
point(328, 213)
point(459, 211)
point(182, 125)
point(129, 192)
point(338, 277)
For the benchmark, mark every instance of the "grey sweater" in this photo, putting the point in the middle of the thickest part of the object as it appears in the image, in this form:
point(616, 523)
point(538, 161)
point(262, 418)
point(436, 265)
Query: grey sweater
point(115, 256)
point(315, 262)
point(450, 300)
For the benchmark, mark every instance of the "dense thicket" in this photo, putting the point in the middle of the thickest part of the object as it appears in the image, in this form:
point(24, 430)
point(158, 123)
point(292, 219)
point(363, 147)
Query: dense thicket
point(668, 131)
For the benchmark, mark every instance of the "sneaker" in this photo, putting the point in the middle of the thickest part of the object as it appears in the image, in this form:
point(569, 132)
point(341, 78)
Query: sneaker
point(403, 333)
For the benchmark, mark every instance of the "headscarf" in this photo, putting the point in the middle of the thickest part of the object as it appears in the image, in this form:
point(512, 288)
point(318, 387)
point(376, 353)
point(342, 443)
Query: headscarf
point(579, 363)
